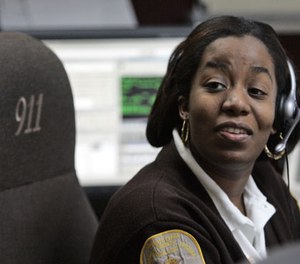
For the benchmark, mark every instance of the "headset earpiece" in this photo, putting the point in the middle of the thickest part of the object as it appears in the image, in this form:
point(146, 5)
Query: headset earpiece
point(289, 110)
point(290, 105)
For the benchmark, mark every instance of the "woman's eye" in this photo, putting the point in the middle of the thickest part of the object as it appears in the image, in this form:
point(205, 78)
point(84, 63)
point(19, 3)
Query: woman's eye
point(255, 92)
point(215, 86)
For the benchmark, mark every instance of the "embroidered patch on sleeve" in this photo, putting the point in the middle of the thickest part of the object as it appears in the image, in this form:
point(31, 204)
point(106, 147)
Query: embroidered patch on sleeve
point(171, 247)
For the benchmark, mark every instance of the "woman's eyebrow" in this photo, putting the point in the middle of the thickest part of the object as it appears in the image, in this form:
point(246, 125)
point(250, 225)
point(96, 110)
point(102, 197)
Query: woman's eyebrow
point(217, 65)
point(260, 69)
point(225, 67)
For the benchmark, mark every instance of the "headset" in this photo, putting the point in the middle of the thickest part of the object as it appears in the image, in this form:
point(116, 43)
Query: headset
point(290, 110)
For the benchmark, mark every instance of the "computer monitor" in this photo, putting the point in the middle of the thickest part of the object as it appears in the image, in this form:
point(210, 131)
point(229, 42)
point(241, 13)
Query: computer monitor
point(114, 83)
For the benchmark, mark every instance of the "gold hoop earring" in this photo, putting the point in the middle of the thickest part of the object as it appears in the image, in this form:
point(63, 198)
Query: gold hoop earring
point(272, 155)
point(185, 130)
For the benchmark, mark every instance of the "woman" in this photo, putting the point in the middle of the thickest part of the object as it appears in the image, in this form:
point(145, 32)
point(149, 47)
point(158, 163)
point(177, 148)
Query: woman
point(207, 198)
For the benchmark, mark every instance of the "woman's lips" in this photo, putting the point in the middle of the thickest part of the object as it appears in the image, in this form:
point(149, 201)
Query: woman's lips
point(234, 132)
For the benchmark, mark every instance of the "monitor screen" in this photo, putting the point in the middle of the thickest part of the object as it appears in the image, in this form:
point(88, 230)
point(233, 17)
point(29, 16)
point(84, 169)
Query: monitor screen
point(138, 95)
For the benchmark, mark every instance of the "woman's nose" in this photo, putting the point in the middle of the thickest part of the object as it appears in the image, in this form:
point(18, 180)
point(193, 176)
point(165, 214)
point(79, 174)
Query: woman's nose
point(236, 102)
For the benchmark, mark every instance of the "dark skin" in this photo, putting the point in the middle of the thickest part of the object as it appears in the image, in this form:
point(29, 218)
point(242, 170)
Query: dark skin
point(231, 110)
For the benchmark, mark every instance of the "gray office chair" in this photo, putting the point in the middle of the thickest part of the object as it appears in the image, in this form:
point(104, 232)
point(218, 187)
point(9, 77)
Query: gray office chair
point(45, 216)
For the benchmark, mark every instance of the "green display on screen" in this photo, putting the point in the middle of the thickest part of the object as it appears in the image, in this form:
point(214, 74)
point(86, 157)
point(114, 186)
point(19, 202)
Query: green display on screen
point(138, 95)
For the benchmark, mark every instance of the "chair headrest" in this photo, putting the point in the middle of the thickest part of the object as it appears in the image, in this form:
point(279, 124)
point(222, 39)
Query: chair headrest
point(37, 126)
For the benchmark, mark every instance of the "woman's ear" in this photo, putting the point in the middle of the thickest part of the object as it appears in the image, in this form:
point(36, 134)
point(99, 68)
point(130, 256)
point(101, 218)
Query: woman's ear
point(183, 107)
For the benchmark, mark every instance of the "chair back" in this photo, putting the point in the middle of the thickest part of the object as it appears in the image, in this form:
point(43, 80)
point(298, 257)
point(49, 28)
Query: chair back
point(45, 216)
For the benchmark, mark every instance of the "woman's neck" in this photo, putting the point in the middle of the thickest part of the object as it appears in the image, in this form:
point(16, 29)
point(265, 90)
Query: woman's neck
point(232, 185)
point(231, 178)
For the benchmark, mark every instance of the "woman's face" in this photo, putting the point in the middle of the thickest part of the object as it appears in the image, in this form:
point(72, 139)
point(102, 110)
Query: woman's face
point(231, 105)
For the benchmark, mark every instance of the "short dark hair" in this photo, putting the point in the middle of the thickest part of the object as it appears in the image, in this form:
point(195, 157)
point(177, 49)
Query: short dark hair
point(185, 59)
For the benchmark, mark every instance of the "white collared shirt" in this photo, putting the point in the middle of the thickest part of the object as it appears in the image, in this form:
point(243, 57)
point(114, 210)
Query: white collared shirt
point(247, 230)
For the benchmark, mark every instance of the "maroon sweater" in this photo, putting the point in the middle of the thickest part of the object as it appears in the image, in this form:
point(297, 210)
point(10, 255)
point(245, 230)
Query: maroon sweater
point(166, 195)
